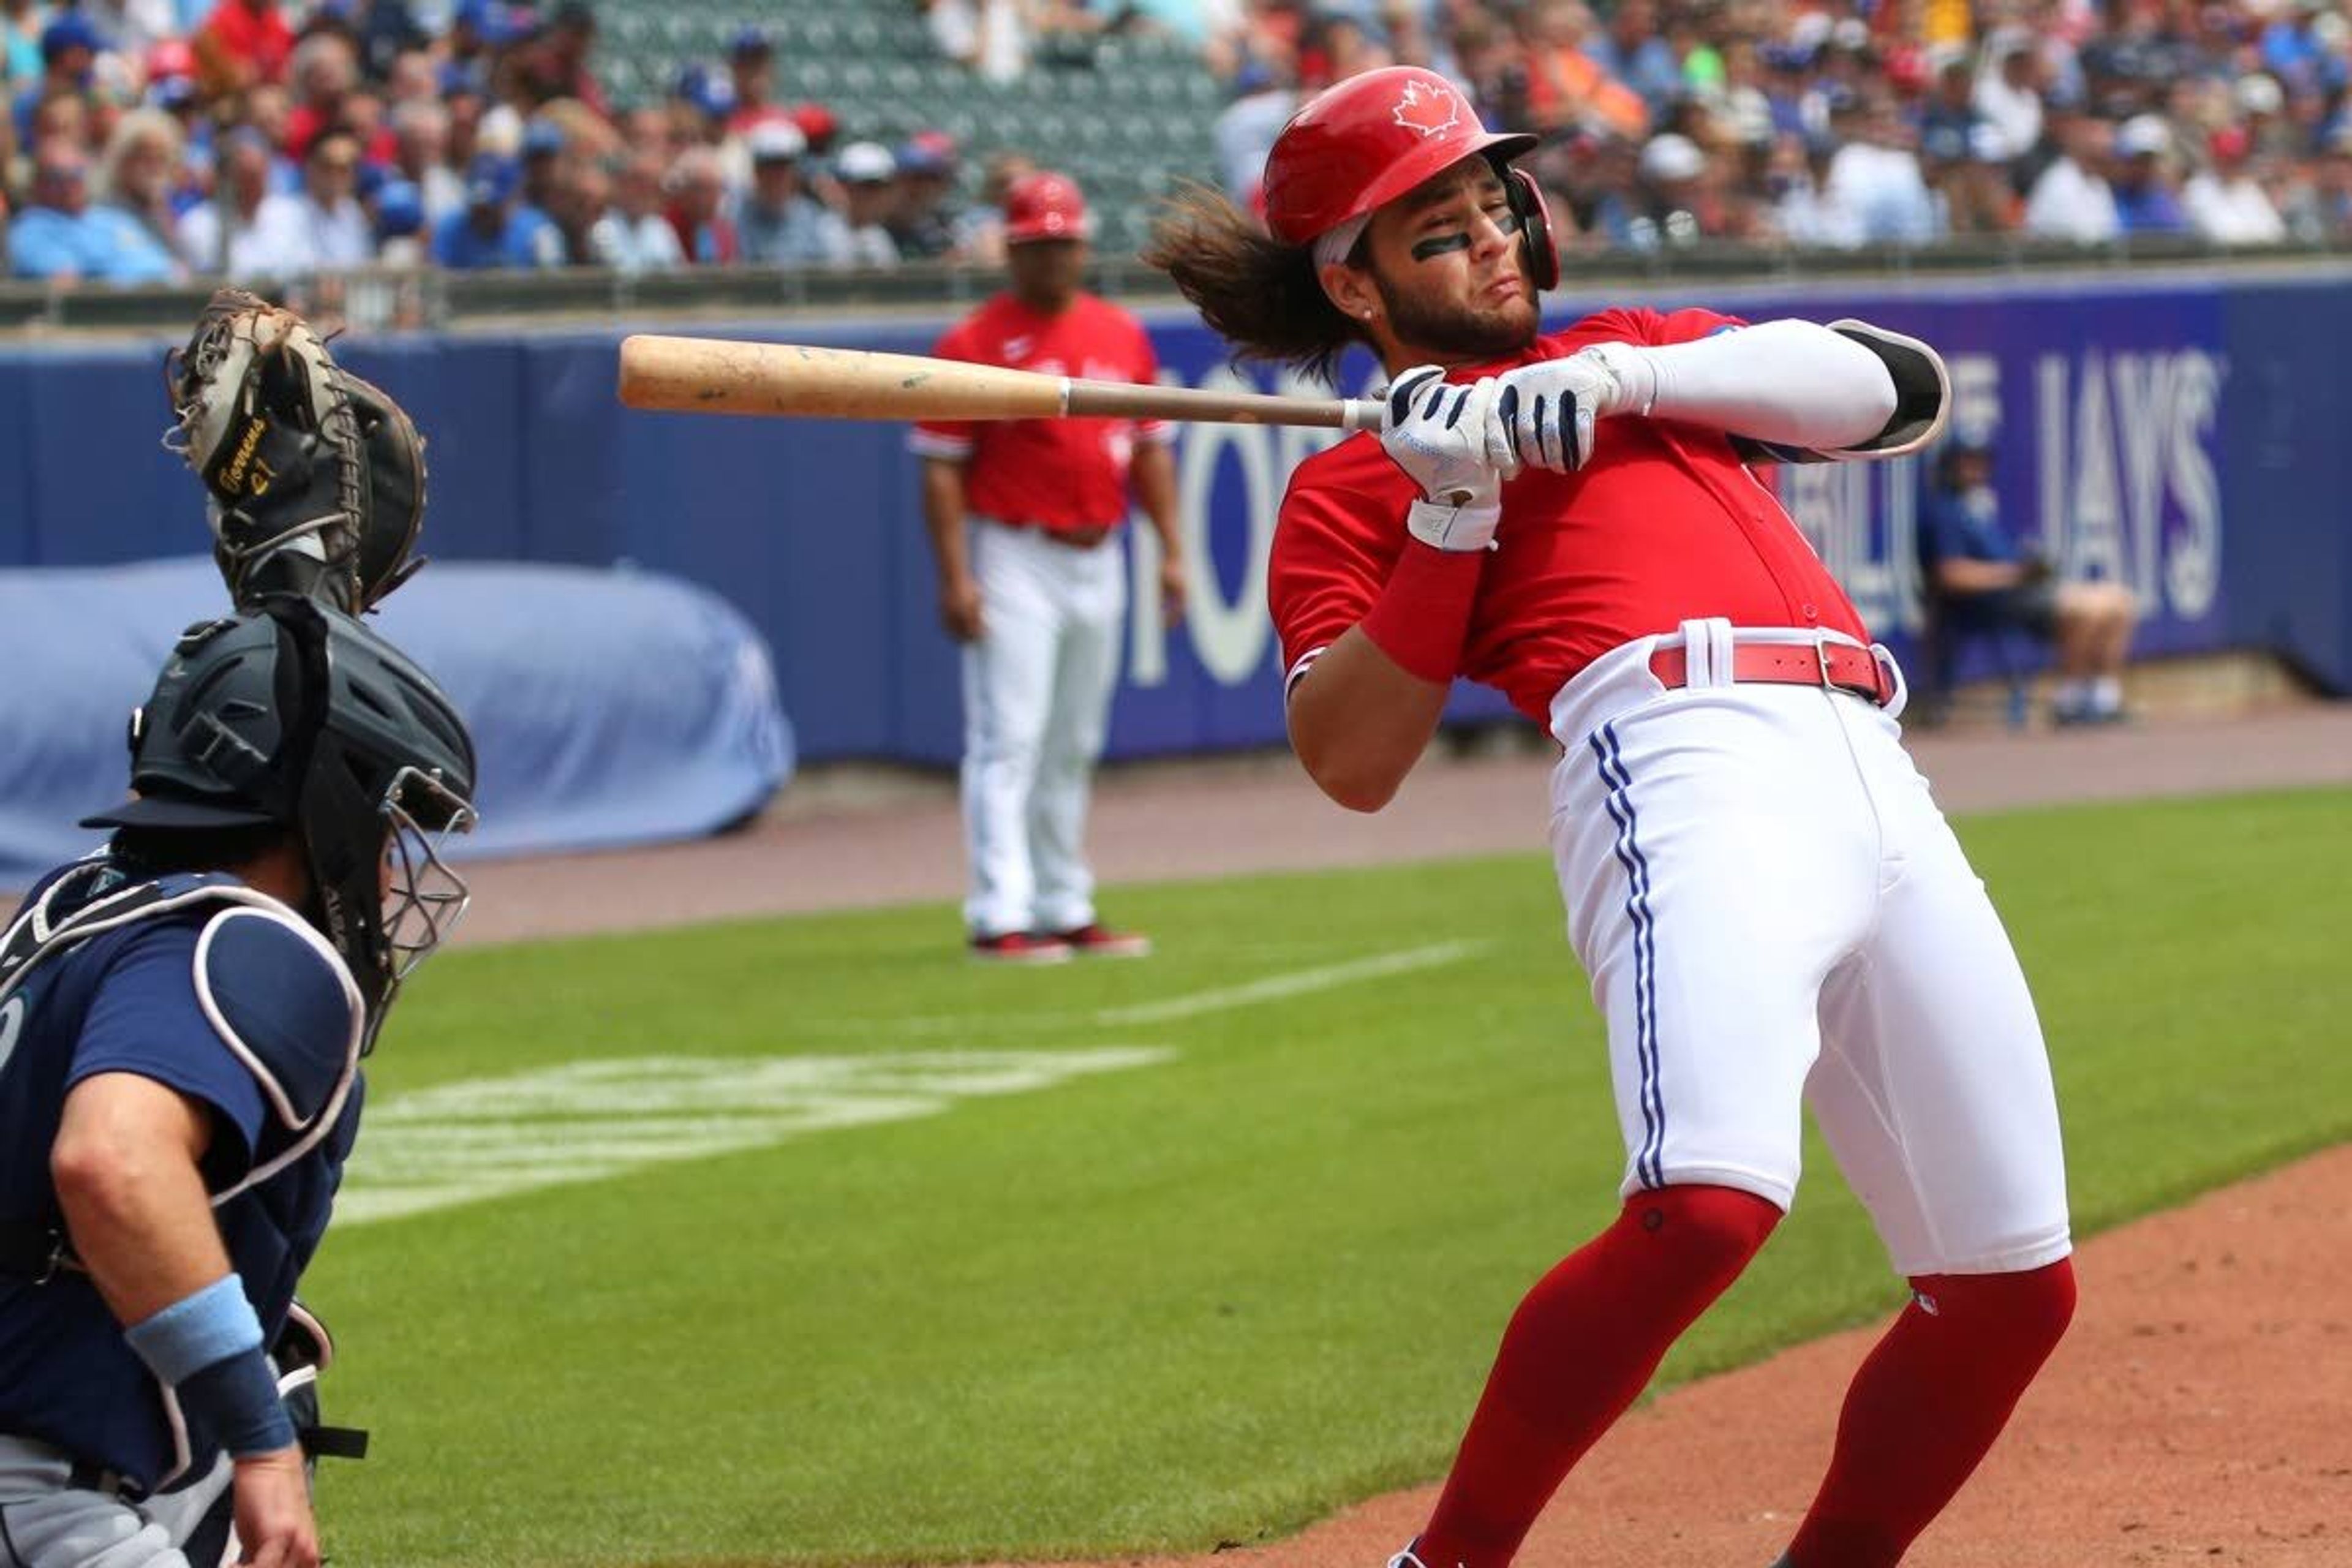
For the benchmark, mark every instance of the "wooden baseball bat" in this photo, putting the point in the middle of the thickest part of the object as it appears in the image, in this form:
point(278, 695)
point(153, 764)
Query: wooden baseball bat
point(717, 375)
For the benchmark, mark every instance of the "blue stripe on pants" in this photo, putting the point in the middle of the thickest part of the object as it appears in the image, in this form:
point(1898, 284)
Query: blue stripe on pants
point(1620, 782)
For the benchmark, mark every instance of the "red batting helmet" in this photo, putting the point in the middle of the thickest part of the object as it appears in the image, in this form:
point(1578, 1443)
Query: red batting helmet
point(1046, 205)
point(1365, 143)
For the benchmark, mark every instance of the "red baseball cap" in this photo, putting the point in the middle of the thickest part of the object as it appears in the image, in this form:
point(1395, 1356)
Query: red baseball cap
point(170, 57)
point(816, 122)
point(1046, 205)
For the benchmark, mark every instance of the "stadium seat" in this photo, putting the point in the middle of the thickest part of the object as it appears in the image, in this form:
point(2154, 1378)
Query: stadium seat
point(2014, 657)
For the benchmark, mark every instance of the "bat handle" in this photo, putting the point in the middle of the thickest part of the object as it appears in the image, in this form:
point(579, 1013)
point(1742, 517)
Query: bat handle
point(1362, 414)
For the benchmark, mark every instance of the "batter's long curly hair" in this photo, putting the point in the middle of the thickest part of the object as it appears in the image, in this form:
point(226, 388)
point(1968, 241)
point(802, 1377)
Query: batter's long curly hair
point(1258, 294)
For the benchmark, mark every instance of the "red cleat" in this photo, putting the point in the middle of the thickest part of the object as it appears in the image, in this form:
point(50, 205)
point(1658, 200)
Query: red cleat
point(1020, 947)
point(1096, 940)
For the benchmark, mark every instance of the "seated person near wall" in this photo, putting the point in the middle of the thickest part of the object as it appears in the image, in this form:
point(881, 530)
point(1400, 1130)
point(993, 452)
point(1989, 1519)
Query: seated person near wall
point(1983, 580)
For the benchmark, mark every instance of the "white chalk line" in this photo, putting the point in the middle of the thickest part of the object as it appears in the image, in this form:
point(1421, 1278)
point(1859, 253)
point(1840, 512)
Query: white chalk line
point(1168, 1010)
point(1298, 982)
point(584, 1122)
point(589, 1120)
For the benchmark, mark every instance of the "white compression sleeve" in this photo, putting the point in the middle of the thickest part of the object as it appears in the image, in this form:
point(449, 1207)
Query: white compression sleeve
point(1792, 384)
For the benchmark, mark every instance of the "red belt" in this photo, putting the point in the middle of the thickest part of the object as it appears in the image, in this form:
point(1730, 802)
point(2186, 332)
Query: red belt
point(1841, 667)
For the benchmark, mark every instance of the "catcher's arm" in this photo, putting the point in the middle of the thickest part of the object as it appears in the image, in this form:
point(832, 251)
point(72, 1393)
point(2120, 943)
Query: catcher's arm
point(315, 478)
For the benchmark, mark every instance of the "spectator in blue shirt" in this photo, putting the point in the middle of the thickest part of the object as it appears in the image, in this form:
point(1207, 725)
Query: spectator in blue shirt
point(780, 223)
point(69, 46)
point(60, 236)
point(2293, 52)
point(20, 40)
point(491, 231)
point(1634, 52)
point(1982, 579)
point(2144, 199)
point(1950, 111)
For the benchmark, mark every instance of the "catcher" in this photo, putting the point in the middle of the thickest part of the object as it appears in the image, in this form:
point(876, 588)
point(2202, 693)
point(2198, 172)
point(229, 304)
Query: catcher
point(183, 1016)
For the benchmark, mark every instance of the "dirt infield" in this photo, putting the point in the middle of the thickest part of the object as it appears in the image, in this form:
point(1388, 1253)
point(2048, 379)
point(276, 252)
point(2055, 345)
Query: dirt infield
point(2196, 1413)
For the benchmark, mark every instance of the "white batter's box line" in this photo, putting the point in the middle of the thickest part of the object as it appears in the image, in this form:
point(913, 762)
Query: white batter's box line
point(1296, 982)
point(1279, 987)
point(633, 1086)
point(591, 1120)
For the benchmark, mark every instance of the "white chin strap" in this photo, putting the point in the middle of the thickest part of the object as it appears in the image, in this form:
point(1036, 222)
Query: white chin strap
point(1332, 245)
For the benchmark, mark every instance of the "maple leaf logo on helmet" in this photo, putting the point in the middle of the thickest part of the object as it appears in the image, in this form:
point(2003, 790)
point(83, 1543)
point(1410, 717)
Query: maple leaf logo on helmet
point(1428, 109)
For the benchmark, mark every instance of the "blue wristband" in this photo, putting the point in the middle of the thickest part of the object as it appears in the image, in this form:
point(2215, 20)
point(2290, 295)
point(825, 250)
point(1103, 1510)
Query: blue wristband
point(235, 1399)
point(196, 1331)
point(206, 1348)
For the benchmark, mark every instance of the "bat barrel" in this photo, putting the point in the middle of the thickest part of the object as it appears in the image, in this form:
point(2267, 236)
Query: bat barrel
point(717, 375)
point(712, 375)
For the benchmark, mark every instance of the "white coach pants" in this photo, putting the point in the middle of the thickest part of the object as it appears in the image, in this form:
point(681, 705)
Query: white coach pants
point(1037, 703)
point(51, 1524)
point(1775, 915)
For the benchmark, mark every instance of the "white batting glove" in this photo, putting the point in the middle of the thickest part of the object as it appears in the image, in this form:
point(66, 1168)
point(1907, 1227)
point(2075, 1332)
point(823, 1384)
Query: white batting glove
point(1548, 411)
point(1449, 440)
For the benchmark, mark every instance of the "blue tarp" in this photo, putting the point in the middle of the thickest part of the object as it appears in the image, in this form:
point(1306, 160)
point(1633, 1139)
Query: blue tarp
point(609, 706)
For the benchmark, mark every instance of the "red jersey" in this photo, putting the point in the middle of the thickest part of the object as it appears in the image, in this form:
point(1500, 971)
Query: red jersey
point(1665, 524)
point(1061, 474)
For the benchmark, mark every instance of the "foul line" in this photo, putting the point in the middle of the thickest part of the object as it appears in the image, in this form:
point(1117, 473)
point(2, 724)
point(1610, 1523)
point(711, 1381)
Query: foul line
point(1298, 982)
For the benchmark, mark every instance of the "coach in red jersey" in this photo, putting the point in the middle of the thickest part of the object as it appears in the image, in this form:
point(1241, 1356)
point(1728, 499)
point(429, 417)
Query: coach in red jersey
point(1023, 516)
point(1774, 915)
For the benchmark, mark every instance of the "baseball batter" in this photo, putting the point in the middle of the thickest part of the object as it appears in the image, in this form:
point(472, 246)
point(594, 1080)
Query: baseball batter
point(1022, 517)
point(1772, 910)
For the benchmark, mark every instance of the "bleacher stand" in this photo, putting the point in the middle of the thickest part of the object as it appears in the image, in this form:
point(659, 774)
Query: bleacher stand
point(1666, 123)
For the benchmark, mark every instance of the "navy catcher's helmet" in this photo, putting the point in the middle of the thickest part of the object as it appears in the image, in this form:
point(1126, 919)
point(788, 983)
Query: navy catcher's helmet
point(298, 716)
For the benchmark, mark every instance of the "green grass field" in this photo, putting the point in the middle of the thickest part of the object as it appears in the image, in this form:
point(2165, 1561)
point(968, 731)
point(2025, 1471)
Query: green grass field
point(1209, 1295)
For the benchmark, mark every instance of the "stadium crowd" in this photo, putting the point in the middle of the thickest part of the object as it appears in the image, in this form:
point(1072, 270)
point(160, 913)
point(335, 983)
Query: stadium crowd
point(165, 140)
point(1674, 121)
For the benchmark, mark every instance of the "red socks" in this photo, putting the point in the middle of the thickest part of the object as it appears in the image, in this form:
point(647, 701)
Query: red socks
point(1580, 1349)
point(1921, 1413)
point(1926, 1405)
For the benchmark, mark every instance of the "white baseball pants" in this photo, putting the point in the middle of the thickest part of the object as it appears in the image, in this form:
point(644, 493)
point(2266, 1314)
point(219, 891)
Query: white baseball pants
point(51, 1524)
point(1037, 703)
point(1775, 914)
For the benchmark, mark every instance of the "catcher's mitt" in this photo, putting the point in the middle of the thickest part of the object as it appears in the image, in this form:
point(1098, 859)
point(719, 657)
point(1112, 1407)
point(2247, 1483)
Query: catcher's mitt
point(316, 477)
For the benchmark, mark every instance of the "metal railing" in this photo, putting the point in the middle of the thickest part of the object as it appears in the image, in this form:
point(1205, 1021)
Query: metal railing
point(383, 301)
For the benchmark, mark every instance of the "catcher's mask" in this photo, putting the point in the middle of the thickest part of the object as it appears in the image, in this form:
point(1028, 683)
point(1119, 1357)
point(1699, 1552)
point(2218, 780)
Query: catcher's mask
point(298, 715)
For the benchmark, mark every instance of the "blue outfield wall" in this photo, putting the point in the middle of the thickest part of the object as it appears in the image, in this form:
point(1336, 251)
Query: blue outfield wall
point(2190, 439)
